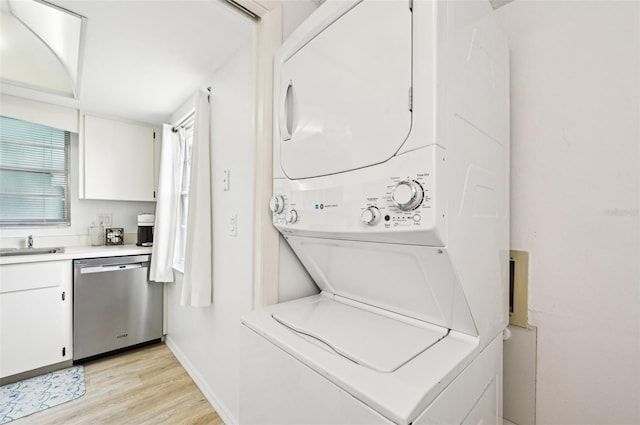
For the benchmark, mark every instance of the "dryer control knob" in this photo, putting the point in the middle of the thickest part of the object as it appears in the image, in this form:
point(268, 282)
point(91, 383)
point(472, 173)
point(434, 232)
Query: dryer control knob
point(291, 216)
point(407, 195)
point(277, 204)
point(370, 216)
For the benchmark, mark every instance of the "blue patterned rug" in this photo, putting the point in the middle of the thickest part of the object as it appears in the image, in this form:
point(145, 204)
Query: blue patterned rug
point(32, 395)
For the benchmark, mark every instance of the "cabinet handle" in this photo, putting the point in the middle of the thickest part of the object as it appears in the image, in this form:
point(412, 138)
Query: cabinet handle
point(111, 268)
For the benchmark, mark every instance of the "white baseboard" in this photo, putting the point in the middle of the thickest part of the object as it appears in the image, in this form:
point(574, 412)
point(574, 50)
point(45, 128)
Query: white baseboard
point(215, 402)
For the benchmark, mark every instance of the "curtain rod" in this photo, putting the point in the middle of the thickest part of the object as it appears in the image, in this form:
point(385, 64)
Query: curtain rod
point(183, 122)
point(242, 8)
point(187, 118)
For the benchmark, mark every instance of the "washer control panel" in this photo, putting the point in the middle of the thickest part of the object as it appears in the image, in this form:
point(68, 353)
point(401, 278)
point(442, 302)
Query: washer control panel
point(400, 201)
point(366, 204)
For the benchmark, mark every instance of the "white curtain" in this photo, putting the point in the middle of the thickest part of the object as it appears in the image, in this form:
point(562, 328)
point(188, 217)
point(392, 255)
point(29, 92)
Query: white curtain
point(167, 203)
point(197, 287)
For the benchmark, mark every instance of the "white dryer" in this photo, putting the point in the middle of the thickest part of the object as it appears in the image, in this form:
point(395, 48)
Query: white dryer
point(391, 153)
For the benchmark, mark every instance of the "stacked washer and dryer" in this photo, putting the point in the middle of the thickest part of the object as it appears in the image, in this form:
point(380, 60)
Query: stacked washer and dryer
point(391, 171)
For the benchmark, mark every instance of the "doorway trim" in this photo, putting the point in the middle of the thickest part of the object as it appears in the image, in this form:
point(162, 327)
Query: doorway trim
point(266, 240)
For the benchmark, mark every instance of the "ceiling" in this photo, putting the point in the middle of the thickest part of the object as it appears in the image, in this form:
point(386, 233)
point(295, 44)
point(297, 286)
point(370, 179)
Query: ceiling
point(141, 58)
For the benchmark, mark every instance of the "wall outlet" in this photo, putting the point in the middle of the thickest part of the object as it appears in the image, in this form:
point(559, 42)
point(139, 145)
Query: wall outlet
point(105, 219)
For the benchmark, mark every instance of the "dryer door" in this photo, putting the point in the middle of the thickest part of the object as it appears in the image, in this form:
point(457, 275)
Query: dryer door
point(344, 95)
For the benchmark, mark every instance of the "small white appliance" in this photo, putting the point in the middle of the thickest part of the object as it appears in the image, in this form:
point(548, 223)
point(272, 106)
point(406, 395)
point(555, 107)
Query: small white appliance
point(391, 153)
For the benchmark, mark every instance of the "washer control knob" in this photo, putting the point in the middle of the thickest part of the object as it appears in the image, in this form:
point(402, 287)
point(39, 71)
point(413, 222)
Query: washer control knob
point(291, 216)
point(277, 204)
point(370, 216)
point(407, 195)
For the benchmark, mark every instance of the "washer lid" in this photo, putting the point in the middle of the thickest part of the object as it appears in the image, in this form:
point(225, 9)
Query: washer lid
point(343, 100)
point(413, 281)
point(378, 342)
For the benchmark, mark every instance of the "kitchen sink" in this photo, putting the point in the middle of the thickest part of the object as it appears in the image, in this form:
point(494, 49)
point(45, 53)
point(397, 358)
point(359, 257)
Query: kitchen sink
point(29, 251)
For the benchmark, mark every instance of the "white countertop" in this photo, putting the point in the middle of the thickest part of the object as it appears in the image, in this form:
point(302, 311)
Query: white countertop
point(74, 252)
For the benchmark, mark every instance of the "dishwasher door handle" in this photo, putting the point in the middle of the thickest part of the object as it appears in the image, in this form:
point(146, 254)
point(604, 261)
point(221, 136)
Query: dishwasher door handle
point(110, 268)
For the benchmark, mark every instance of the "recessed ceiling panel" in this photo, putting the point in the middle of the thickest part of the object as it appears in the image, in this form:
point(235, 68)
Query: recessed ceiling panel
point(41, 46)
point(26, 61)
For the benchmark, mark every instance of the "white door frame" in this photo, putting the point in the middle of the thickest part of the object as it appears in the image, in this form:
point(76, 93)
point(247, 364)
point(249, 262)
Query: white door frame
point(268, 37)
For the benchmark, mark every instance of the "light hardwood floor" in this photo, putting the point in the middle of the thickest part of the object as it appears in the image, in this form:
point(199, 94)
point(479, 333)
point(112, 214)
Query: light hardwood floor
point(145, 386)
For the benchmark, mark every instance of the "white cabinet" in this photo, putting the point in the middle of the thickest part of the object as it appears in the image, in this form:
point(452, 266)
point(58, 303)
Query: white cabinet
point(117, 160)
point(35, 315)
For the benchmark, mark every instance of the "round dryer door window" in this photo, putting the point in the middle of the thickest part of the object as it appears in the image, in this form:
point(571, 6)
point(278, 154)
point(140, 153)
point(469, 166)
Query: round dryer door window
point(344, 95)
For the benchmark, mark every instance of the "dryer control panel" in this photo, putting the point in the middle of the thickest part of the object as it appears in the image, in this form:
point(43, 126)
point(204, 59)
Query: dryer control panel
point(375, 203)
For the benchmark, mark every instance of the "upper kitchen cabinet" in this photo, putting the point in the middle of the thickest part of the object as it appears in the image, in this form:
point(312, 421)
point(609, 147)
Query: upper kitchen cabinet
point(116, 160)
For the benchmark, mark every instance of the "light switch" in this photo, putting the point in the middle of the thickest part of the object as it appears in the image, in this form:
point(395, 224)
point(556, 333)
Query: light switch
point(233, 225)
point(225, 179)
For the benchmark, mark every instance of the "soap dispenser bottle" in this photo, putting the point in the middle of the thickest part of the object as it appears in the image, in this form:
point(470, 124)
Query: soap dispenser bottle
point(96, 234)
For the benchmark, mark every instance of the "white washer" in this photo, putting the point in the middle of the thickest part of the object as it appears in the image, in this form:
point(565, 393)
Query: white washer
point(391, 150)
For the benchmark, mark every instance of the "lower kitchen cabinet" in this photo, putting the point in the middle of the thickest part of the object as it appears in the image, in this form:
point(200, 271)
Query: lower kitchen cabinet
point(35, 315)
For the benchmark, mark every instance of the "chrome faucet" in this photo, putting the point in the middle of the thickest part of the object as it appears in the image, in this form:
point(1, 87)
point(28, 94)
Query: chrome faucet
point(30, 242)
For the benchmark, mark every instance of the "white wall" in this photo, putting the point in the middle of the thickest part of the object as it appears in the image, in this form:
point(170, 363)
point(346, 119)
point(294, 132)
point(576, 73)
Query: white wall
point(575, 195)
point(206, 340)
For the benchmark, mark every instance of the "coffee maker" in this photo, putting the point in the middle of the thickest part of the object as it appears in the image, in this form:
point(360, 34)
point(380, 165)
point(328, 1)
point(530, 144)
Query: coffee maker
point(145, 229)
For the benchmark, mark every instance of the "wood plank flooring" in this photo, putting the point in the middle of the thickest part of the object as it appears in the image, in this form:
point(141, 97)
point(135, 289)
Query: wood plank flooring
point(145, 386)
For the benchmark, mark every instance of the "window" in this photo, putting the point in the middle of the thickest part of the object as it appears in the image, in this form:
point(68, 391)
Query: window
point(183, 209)
point(34, 174)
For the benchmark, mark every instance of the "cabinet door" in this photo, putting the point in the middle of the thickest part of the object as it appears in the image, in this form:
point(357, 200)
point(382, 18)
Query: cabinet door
point(118, 160)
point(32, 329)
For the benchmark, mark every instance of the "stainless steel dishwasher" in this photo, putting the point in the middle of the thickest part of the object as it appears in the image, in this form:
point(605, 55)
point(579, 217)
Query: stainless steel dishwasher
point(114, 305)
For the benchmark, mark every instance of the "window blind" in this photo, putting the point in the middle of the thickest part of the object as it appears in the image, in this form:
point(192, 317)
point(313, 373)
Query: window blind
point(34, 174)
